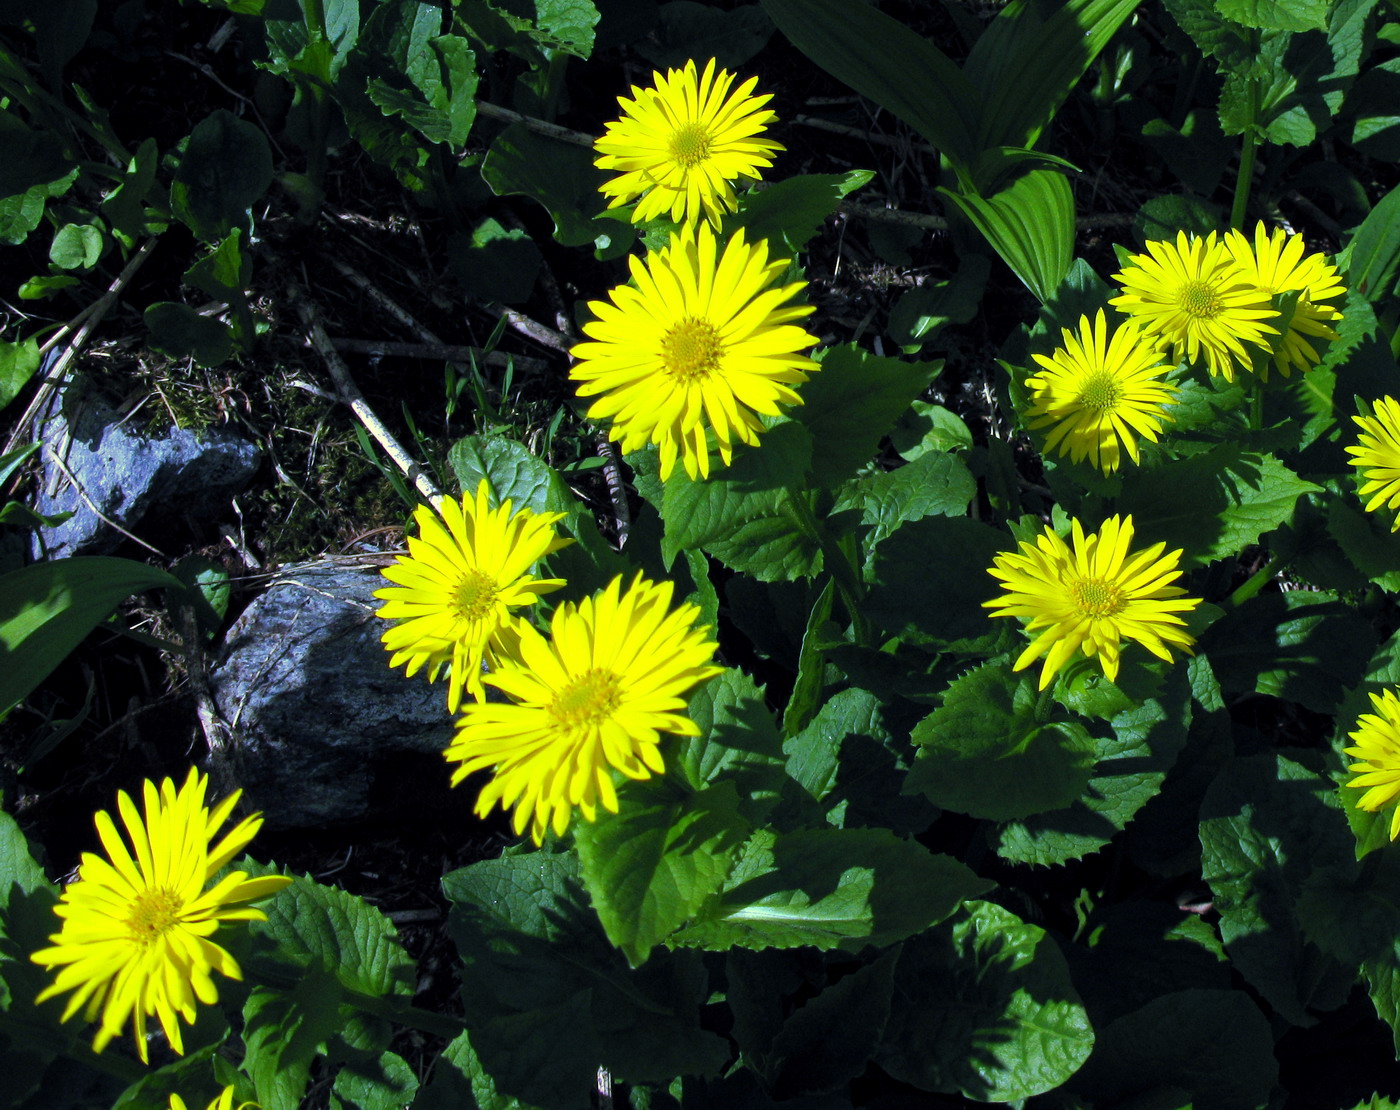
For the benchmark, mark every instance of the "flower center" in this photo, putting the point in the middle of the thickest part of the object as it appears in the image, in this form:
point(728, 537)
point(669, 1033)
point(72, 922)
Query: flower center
point(690, 145)
point(1096, 598)
point(691, 350)
point(1198, 299)
point(1100, 392)
point(589, 699)
point(475, 596)
point(154, 912)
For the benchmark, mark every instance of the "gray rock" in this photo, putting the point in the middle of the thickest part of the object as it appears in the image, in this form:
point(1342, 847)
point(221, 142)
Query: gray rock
point(321, 725)
point(142, 482)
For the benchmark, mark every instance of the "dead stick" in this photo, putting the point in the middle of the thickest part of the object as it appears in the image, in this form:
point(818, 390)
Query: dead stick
point(539, 126)
point(447, 352)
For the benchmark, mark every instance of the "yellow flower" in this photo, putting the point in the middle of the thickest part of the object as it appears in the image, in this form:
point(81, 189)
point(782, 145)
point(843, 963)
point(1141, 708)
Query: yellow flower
point(1377, 748)
point(1276, 265)
point(1194, 297)
point(1097, 393)
point(222, 1101)
point(1093, 597)
point(700, 339)
point(135, 935)
point(464, 573)
point(1377, 455)
point(593, 699)
point(680, 144)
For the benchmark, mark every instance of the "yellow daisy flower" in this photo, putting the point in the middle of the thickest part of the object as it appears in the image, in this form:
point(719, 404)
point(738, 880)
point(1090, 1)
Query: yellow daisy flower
point(1377, 455)
point(1093, 597)
point(222, 1101)
point(1192, 296)
point(135, 935)
point(701, 338)
point(1276, 264)
point(1097, 394)
point(1377, 748)
point(680, 144)
point(464, 573)
point(593, 699)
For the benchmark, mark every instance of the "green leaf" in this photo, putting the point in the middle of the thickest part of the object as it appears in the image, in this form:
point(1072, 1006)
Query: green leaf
point(1211, 505)
point(919, 314)
point(1266, 824)
point(458, 1080)
point(791, 212)
point(686, 30)
point(125, 206)
point(927, 427)
point(18, 871)
point(76, 247)
point(738, 743)
point(888, 63)
point(326, 928)
point(986, 753)
point(566, 25)
point(1029, 58)
point(1303, 646)
point(1133, 755)
point(46, 610)
point(814, 754)
point(651, 865)
point(180, 332)
point(931, 485)
point(30, 159)
point(282, 1032)
point(1277, 15)
point(851, 403)
point(1197, 153)
point(225, 168)
point(811, 664)
point(1030, 223)
point(559, 175)
point(929, 578)
point(494, 264)
point(1213, 1045)
point(1217, 37)
point(986, 1009)
point(435, 94)
point(18, 363)
point(1370, 260)
point(513, 473)
point(206, 590)
point(830, 888)
point(225, 271)
point(387, 1083)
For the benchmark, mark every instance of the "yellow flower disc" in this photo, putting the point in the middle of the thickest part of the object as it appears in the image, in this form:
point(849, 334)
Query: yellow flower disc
point(1097, 394)
point(593, 699)
point(1376, 455)
point(1092, 597)
point(681, 143)
point(456, 589)
point(136, 926)
point(1377, 751)
point(700, 340)
point(1192, 296)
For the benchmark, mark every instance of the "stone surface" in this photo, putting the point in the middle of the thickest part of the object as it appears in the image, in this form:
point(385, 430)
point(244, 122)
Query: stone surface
point(143, 482)
point(324, 732)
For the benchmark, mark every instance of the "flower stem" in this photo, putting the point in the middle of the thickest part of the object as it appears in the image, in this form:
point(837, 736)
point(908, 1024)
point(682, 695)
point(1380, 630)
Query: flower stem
point(1250, 142)
point(1256, 582)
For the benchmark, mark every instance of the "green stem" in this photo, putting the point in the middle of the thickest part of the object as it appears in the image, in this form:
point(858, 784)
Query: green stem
point(1250, 141)
point(1257, 582)
point(1256, 405)
point(839, 562)
point(52, 1040)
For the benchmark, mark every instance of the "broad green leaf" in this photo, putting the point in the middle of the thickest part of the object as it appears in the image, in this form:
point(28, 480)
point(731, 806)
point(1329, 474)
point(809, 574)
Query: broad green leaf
point(282, 1031)
point(811, 664)
point(385, 1083)
point(18, 871)
point(29, 158)
point(1266, 825)
point(686, 30)
point(180, 332)
point(1216, 36)
point(1029, 58)
point(18, 363)
point(888, 63)
point(1269, 93)
point(1353, 913)
point(76, 247)
point(1211, 505)
point(929, 578)
point(738, 742)
point(1030, 223)
point(225, 271)
point(1376, 130)
point(931, 485)
point(830, 888)
point(323, 927)
point(1133, 754)
point(566, 25)
point(853, 401)
point(513, 474)
point(559, 175)
point(1302, 646)
point(1197, 153)
point(985, 1008)
point(46, 610)
point(1213, 1046)
point(225, 168)
point(1370, 260)
point(458, 1080)
point(789, 213)
point(651, 865)
point(495, 264)
point(927, 427)
point(125, 206)
point(1277, 15)
point(814, 754)
point(436, 95)
point(919, 314)
point(987, 753)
